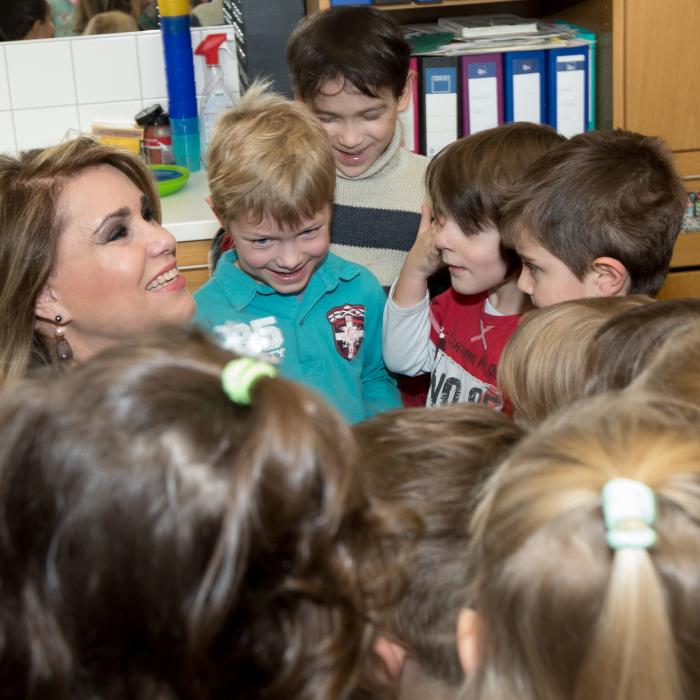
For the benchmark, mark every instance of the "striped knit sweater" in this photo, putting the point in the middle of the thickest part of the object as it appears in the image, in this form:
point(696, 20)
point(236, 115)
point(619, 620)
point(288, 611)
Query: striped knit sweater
point(376, 214)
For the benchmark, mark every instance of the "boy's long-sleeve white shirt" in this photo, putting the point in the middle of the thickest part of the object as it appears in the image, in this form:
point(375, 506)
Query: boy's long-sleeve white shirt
point(406, 343)
point(457, 338)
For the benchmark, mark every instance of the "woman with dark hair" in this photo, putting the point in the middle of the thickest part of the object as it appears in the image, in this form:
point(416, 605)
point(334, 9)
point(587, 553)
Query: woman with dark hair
point(25, 19)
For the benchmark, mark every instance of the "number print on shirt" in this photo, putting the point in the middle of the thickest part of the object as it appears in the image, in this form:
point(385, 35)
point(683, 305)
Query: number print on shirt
point(260, 338)
point(450, 383)
point(348, 323)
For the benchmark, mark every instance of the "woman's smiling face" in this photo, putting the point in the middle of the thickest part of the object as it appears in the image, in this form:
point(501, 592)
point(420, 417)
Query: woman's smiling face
point(114, 273)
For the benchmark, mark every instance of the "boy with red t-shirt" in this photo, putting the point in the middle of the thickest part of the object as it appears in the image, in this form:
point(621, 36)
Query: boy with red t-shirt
point(459, 336)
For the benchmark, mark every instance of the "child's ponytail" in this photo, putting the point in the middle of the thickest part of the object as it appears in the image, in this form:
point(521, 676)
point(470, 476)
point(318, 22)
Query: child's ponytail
point(576, 603)
point(633, 653)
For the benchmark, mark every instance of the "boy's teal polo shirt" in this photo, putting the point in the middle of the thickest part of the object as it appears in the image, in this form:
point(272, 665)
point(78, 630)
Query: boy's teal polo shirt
point(328, 337)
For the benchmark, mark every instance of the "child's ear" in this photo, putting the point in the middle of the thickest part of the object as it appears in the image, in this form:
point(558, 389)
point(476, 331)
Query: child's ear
point(405, 96)
point(392, 654)
point(218, 218)
point(608, 278)
point(468, 632)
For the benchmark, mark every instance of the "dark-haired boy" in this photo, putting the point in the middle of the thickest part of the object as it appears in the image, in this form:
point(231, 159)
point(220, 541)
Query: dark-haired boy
point(597, 216)
point(351, 66)
point(458, 337)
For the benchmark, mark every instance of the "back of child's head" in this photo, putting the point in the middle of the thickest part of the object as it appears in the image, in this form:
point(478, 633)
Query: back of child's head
point(625, 345)
point(163, 530)
point(426, 464)
point(111, 22)
point(269, 157)
point(584, 594)
point(543, 365)
point(603, 193)
point(674, 369)
point(360, 46)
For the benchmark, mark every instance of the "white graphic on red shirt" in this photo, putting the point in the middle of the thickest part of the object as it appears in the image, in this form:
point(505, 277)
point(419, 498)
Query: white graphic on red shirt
point(482, 335)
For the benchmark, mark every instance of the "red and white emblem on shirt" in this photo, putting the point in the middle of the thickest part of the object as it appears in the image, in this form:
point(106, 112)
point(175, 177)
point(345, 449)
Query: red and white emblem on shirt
point(348, 324)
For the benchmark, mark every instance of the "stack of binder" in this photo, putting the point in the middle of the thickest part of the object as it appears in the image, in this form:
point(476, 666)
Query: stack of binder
point(457, 92)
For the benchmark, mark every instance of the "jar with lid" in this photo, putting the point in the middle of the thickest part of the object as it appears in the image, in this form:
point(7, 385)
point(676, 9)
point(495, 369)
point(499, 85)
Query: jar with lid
point(157, 140)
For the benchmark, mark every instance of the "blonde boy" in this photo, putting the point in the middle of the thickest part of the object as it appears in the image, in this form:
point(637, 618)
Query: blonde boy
point(279, 292)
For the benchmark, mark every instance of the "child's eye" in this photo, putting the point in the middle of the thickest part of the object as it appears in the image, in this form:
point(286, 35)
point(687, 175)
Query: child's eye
point(309, 232)
point(532, 269)
point(326, 119)
point(372, 116)
point(261, 242)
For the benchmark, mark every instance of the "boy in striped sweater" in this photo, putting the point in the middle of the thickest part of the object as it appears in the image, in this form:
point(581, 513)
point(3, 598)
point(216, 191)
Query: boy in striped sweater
point(351, 66)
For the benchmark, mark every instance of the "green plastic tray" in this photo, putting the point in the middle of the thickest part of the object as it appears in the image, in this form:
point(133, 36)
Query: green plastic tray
point(170, 178)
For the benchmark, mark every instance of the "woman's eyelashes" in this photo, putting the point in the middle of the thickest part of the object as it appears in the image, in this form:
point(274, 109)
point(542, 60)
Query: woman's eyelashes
point(121, 228)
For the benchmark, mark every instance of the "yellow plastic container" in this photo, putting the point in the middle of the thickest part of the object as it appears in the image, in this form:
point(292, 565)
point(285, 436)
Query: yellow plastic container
point(173, 8)
point(127, 137)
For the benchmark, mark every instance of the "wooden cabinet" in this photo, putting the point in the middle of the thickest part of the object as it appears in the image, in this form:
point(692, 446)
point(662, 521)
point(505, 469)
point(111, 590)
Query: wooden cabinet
point(656, 63)
point(684, 278)
point(192, 260)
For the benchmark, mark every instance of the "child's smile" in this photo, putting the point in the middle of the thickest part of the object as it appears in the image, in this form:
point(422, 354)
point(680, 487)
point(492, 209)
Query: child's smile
point(284, 258)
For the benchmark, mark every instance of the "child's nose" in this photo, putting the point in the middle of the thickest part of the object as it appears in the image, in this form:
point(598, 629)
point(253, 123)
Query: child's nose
point(290, 258)
point(349, 136)
point(442, 238)
point(525, 282)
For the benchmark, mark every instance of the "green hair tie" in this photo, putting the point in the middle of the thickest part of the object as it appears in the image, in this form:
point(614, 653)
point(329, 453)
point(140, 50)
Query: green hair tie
point(239, 376)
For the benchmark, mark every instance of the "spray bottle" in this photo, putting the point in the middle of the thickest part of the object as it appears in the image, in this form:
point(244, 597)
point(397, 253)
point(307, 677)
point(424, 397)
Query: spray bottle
point(217, 96)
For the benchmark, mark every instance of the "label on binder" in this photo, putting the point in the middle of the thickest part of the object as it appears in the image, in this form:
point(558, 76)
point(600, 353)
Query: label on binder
point(440, 108)
point(483, 96)
point(527, 89)
point(571, 95)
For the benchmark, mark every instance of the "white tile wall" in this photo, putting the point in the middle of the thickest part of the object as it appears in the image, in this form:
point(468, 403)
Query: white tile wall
point(51, 86)
point(4, 85)
point(40, 73)
point(43, 126)
point(95, 59)
point(7, 133)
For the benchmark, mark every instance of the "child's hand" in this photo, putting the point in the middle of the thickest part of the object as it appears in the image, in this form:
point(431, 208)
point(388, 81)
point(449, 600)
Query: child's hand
point(424, 258)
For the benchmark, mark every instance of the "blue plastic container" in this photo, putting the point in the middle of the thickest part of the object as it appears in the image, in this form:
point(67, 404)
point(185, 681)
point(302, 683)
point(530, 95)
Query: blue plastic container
point(186, 143)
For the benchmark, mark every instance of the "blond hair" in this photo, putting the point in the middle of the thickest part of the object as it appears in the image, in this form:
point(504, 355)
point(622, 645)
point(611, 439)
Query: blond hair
point(543, 365)
point(674, 369)
point(30, 225)
point(86, 9)
point(625, 345)
point(564, 616)
point(111, 22)
point(270, 158)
